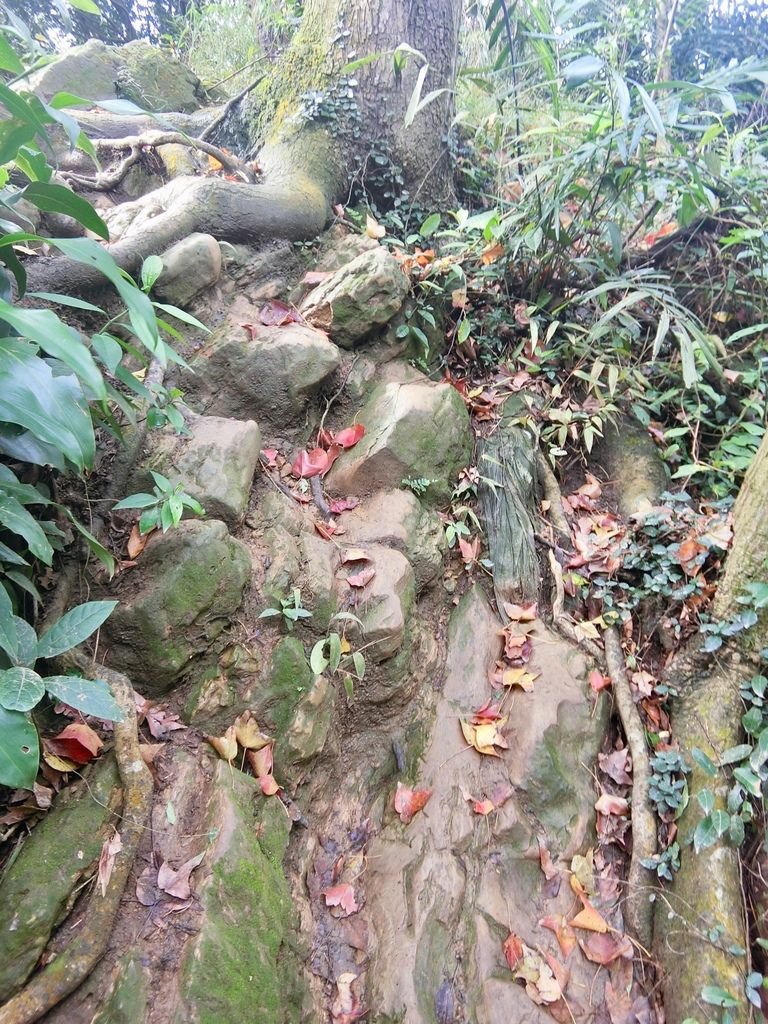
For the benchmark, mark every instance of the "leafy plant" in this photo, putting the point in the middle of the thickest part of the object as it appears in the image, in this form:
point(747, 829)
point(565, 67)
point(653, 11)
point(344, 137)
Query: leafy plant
point(334, 652)
point(667, 788)
point(163, 508)
point(290, 608)
point(22, 688)
point(419, 485)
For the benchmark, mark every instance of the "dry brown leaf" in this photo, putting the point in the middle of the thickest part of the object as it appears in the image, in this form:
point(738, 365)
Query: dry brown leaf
point(354, 555)
point(518, 677)
point(485, 737)
point(373, 229)
point(605, 948)
point(342, 896)
point(248, 734)
point(137, 541)
point(363, 578)
point(176, 882)
point(261, 760)
point(608, 803)
point(589, 919)
point(226, 745)
point(112, 846)
point(520, 612)
point(565, 935)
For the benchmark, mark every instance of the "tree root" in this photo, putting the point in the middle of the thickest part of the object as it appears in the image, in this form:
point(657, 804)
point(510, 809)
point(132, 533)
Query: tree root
point(637, 908)
point(551, 492)
point(135, 143)
point(64, 974)
point(560, 621)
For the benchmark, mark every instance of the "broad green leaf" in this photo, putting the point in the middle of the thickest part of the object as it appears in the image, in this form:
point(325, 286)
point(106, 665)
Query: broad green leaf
point(74, 627)
point(652, 111)
point(317, 659)
point(359, 662)
point(98, 549)
point(582, 69)
point(86, 6)
point(334, 651)
point(19, 750)
point(58, 199)
point(66, 300)
point(52, 408)
point(20, 689)
point(68, 99)
point(151, 269)
point(24, 583)
point(709, 830)
point(26, 652)
point(748, 780)
point(91, 696)
point(182, 315)
point(57, 339)
point(15, 518)
point(759, 755)
point(11, 557)
point(9, 640)
point(430, 225)
point(715, 996)
point(9, 60)
point(706, 799)
point(704, 762)
point(140, 310)
point(137, 501)
point(734, 754)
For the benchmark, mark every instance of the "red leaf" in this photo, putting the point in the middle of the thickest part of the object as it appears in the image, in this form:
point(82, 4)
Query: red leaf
point(260, 761)
point(341, 896)
point(513, 950)
point(610, 804)
point(78, 742)
point(326, 530)
point(598, 681)
point(565, 935)
point(483, 806)
point(324, 438)
point(339, 505)
point(362, 578)
point(333, 453)
point(310, 463)
point(269, 456)
point(605, 948)
point(410, 801)
point(349, 437)
point(251, 328)
point(269, 785)
point(276, 314)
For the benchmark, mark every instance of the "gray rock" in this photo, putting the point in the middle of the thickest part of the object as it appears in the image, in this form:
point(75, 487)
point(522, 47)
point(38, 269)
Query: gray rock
point(271, 376)
point(418, 430)
point(89, 71)
point(342, 249)
point(364, 294)
point(189, 582)
point(215, 465)
point(178, 160)
point(398, 520)
point(305, 737)
point(385, 604)
point(631, 459)
point(189, 266)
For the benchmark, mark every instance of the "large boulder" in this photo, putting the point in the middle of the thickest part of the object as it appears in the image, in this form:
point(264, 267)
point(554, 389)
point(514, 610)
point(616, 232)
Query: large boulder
point(215, 464)
point(137, 71)
point(384, 605)
point(189, 583)
point(272, 375)
point(417, 430)
point(364, 294)
point(190, 266)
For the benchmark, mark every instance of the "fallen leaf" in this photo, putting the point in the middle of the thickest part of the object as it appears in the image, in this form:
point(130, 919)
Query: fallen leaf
point(137, 541)
point(610, 804)
point(112, 846)
point(261, 760)
point(513, 950)
point(409, 802)
point(362, 578)
point(520, 612)
point(491, 253)
point(354, 555)
point(617, 765)
point(269, 785)
point(565, 935)
point(149, 752)
point(545, 859)
point(484, 737)
point(275, 313)
point(146, 886)
point(332, 453)
point(59, 764)
point(349, 437)
point(226, 745)
point(307, 464)
point(252, 330)
point(373, 229)
point(341, 896)
point(326, 530)
point(176, 882)
point(77, 742)
point(339, 505)
point(487, 713)
point(314, 277)
point(518, 677)
point(605, 948)
point(589, 919)
point(598, 681)
point(248, 734)
point(270, 457)
point(346, 1007)
point(527, 965)
point(483, 806)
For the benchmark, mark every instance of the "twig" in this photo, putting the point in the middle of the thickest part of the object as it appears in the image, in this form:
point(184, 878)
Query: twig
point(560, 620)
point(319, 498)
point(329, 401)
point(638, 910)
point(551, 491)
point(228, 107)
point(64, 974)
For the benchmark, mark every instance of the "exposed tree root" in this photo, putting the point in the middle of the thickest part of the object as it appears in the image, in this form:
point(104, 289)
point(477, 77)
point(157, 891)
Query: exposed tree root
point(637, 907)
point(550, 490)
point(71, 967)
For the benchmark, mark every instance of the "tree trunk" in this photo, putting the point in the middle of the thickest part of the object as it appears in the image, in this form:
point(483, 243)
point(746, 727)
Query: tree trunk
point(322, 135)
point(700, 921)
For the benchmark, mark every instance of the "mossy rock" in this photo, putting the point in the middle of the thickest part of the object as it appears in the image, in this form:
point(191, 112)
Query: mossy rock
point(37, 888)
point(189, 583)
point(128, 1001)
point(283, 685)
point(234, 970)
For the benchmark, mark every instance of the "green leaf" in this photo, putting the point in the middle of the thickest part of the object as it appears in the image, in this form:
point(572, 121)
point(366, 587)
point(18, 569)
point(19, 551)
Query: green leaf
point(430, 225)
point(182, 315)
point(748, 780)
point(66, 300)
point(706, 799)
point(9, 639)
point(151, 269)
point(704, 762)
point(652, 111)
point(317, 659)
point(74, 627)
point(582, 69)
point(334, 650)
point(20, 689)
point(57, 339)
point(68, 99)
point(9, 60)
point(19, 750)
point(26, 652)
point(53, 198)
point(137, 501)
point(91, 696)
point(359, 662)
point(709, 830)
point(95, 545)
point(715, 996)
point(15, 518)
point(86, 6)
point(734, 754)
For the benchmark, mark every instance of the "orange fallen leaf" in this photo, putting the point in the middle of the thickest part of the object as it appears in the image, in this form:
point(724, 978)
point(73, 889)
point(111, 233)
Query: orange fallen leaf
point(483, 806)
point(77, 742)
point(605, 948)
point(226, 745)
point(137, 541)
point(513, 950)
point(409, 802)
point(565, 935)
point(491, 253)
point(520, 612)
point(485, 737)
point(610, 804)
point(589, 919)
point(248, 734)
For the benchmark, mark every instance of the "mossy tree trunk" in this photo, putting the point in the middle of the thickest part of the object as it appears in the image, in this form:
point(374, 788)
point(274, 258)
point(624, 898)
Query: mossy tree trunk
point(700, 922)
point(321, 134)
